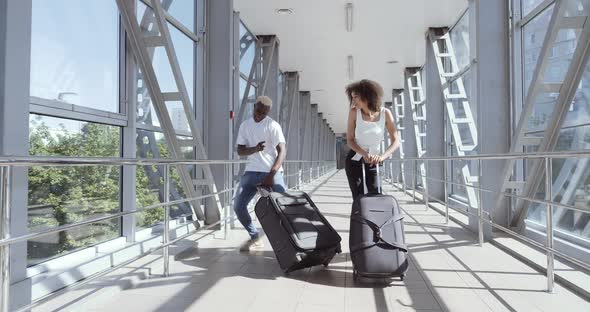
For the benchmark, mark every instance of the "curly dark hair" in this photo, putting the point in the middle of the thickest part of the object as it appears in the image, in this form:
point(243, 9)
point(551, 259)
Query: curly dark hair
point(369, 91)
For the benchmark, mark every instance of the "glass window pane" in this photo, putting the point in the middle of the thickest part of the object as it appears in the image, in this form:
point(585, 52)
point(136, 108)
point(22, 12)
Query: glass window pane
point(65, 195)
point(150, 180)
point(247, 50)
point(529, 5)
point(579, 112)
point(542, 111)
point(277, 106)
point(560, 56)
point(182, 10)
point(249, 108)
point(460, 40)
point(459, 189)
point(571, 185)
point(533, 36)
point(559, 63)
point(72, 59)
point(185, 52)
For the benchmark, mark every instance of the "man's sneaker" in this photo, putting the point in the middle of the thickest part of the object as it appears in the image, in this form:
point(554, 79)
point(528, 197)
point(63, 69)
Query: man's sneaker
point(252, 244)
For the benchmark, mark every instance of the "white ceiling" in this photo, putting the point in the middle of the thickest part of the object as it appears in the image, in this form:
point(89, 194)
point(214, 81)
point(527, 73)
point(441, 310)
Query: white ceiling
point(314, 41)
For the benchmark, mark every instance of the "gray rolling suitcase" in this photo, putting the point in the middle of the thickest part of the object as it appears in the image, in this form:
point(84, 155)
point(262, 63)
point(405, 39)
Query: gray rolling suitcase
point(299, 234)
point(377, 241)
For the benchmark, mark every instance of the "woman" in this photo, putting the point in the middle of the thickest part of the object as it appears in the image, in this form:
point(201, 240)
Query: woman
point(367, 121)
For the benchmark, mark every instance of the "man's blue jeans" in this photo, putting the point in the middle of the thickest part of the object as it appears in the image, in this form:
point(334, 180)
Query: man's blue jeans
point(247, 191)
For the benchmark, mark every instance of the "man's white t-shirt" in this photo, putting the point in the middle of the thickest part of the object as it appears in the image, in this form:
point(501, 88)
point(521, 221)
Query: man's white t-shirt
point(251, 133)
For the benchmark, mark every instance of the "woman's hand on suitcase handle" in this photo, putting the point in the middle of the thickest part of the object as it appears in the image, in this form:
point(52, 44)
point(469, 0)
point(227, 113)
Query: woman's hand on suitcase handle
point(379, 159)
point(372, 159)
point(366, 157)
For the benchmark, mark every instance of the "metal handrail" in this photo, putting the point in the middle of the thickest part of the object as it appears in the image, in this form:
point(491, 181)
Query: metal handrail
point(508, 231)
point(46, 161)
point(533, 200)
point(505, 156)
point(7, 162)
point(548, 202)
point(25, 237)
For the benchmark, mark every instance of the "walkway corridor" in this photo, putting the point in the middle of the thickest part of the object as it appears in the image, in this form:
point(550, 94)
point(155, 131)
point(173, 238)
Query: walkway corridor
point(449, 272)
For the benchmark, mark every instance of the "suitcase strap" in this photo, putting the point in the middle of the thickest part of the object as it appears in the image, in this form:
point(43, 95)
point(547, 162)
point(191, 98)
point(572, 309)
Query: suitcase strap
point(377, 238)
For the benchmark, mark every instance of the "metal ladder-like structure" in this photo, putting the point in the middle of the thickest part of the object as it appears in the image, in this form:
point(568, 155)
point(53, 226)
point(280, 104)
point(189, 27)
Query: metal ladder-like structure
point(418, 104)
point(147, 145)
point(460, 116)
point(398, 111)
point(143, 39)
point(567, 15)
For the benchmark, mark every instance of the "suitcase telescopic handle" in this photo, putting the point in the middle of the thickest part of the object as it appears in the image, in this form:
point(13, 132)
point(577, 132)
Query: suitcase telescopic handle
point(365, 188)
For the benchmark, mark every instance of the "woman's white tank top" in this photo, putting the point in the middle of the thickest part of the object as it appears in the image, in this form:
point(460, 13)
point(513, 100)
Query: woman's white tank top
point(369, 134)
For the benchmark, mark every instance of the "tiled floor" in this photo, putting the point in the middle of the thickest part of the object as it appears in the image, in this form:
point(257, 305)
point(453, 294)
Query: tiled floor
point(448, 272)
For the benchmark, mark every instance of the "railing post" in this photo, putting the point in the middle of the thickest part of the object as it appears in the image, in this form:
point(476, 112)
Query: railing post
point(228, 196)
point(300, 176)
point(479, 206)
point(549, 220)
point(4, 233)
point(317, 170)
point(426, 200)
point(166, 235)
point(414, 180)
point(445, 172)
point(404, 187)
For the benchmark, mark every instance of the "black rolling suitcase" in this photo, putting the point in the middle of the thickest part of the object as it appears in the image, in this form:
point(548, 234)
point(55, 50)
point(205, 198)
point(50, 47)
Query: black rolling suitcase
point(377, 240)
point(299, 234)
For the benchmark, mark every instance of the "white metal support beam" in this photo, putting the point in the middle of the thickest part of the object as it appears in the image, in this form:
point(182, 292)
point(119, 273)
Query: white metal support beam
point(461, 120)
point(314, 132)
point(304, 128)
point(139, 41)
point(398, 109)
point(418, 104)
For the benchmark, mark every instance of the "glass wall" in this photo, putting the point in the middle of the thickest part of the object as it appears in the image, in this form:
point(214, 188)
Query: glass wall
point(571, 183)
point(150, 139)
point(73, 65)
point(77, 80)
point(459, 35)
point(72, 62)
point(248, 58)
point(63, 195)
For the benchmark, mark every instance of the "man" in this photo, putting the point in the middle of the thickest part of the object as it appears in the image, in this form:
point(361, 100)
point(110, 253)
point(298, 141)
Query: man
point(262, 140)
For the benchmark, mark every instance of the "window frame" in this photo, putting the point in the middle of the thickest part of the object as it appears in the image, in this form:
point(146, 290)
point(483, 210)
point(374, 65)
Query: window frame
point(579, 247)
point(125, 118)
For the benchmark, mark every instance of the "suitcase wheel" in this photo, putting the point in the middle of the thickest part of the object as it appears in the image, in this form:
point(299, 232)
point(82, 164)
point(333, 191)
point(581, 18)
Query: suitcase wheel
point(355, 275)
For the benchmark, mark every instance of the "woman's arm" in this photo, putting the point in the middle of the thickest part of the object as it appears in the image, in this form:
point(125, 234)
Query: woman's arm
point(390, 125)
point(350, 139)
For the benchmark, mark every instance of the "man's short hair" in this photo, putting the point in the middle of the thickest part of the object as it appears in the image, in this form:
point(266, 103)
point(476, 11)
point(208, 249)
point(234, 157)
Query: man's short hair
point(264, 100)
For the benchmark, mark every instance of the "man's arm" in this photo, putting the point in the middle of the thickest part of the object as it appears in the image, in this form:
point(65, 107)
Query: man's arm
point(247, 151)
point(281, 152)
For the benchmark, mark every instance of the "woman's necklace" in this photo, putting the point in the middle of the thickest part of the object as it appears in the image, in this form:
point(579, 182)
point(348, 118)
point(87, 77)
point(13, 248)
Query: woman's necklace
point(371, 116)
